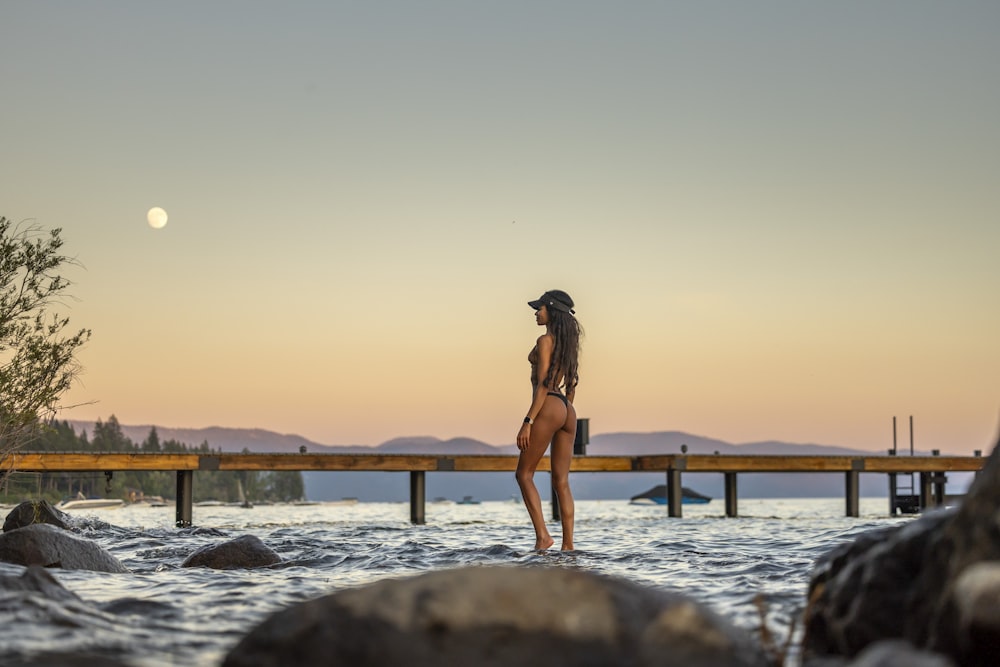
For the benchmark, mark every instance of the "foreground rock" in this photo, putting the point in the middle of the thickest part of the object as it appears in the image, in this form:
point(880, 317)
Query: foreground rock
point(48, 546)
point(498, 617)
point(35, 511)
point(246, 551)
point(19, 598)
point(934, 582)
point(37, 580)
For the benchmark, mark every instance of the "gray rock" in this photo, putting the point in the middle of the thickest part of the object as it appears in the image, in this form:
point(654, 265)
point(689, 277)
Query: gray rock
point(934, 582)
point(37, 580)
point(246, 551)
point(48, 546)
point(64, 660)
point(497, 617)
point(35, 511)
point(898, 653)
point(861, 592)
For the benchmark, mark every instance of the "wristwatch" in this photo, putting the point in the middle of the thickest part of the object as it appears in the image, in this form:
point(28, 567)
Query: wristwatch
point(529, 420)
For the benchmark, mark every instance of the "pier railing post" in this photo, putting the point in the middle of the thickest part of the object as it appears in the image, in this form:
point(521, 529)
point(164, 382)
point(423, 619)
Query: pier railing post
point(730, 479)
point(185, 497)
point(417, 497)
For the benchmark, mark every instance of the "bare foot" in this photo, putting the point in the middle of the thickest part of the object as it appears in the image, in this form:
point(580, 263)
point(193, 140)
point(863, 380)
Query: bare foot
point(567, 546)
point(544, 543)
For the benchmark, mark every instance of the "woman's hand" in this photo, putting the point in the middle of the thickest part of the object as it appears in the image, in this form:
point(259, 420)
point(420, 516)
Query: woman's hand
point(523, 434)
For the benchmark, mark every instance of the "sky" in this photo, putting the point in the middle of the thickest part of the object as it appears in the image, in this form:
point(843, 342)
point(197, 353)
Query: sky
point(778, 220)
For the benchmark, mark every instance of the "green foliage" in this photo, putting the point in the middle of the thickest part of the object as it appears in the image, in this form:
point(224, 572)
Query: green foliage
point(221, 485)
point(37, 355)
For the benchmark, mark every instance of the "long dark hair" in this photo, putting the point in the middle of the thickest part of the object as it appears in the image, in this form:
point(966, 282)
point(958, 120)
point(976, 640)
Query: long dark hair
point(567, 333)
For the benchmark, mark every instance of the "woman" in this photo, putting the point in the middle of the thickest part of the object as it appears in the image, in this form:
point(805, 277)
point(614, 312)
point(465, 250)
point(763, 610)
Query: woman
point(551, 417)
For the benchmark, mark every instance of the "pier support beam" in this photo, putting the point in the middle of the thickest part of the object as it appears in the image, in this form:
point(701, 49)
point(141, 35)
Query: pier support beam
point(674, 493)
point(556, 514)
point(852, 492)
point(932, 489)
point(417, 497)
point(185, 497)
point(926, 494)
point(730, 478)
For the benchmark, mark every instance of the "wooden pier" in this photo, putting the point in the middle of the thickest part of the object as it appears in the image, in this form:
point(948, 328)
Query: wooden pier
point(931, 469)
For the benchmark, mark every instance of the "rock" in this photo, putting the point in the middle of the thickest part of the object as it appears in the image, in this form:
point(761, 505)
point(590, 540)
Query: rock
point(55, 615)
point(64, 660)
point(37, 580)
point(898, 653)
point(48, 546)
point(498, 616)
point(934, 582)
point(246, 551)
point(35, 511)
point(861, 591)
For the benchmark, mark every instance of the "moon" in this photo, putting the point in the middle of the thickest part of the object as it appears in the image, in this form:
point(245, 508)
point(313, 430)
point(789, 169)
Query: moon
point(157, 217)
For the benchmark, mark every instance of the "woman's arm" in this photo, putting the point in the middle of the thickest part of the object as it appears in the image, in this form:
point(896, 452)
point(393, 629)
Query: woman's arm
point(544, 346)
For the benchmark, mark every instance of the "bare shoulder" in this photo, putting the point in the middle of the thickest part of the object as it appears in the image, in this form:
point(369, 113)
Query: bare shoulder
point(545, 341)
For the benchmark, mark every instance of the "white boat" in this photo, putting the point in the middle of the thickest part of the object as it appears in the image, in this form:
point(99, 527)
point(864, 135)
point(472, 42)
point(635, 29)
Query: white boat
point(90, 503)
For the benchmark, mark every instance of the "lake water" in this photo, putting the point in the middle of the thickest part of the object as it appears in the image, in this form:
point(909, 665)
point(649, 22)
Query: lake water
point(162, 614)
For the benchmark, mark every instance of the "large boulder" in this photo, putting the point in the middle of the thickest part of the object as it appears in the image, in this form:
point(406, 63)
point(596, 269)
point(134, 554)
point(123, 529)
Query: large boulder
point(246, 551)
point(35, 511)
point(498, 617)
point(934, 582)
point(48, 546)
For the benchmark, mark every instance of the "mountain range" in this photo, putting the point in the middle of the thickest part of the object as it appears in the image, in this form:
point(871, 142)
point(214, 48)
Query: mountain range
point(627, 443)
point(390, 486)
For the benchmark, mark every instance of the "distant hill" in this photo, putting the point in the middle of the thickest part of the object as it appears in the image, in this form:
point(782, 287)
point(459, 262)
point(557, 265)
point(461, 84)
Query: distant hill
point(381, 486)
point(627, 444)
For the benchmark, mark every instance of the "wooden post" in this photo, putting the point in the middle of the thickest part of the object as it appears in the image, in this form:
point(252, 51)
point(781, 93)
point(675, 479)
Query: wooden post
point(892, 494)
point(852, 492)
point(674, 493)
point(730, 478)
point(925, 490)
point(556, 516)
point(185, 497)
point(417, 497)
point(939, 479)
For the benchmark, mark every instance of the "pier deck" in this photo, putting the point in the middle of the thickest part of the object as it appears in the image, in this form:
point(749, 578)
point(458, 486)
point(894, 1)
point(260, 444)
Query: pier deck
point(930, 468)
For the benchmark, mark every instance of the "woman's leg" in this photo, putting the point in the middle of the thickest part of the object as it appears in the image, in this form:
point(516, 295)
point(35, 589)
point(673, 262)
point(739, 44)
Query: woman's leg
point(562, 456)
point(549, 419)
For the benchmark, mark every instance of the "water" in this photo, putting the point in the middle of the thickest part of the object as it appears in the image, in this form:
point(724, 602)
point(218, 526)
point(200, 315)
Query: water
point(162, 614)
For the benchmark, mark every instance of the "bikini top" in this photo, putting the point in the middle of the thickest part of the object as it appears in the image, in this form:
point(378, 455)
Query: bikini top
point(533, 360)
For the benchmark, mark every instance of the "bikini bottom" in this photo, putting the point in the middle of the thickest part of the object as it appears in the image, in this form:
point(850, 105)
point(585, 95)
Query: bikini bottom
point(560, 397)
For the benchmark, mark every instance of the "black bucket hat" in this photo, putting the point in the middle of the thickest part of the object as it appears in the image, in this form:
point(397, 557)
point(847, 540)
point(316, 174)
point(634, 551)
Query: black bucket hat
point(554, 299)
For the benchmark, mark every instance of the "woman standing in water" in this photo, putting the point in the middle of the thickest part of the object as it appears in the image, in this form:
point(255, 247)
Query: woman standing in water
point(551, 417)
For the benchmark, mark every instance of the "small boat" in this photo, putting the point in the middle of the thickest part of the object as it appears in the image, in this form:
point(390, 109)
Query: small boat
point(90, 503)
point(441, 500)
point(468, 500)
point(658, 496)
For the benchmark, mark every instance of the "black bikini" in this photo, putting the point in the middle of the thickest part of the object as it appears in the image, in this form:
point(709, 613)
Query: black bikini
point(560, 397)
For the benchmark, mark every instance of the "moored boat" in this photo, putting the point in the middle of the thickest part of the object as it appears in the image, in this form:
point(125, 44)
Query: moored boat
point(658, 496)
point(90, 503)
